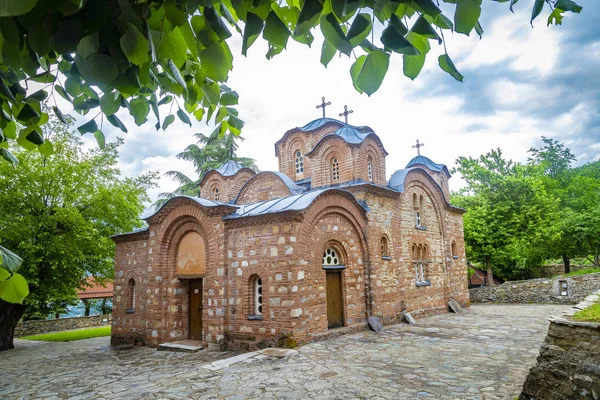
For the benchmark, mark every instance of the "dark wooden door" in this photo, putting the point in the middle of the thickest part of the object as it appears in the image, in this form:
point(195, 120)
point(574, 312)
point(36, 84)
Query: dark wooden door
point(196, 309)
point(335, 314)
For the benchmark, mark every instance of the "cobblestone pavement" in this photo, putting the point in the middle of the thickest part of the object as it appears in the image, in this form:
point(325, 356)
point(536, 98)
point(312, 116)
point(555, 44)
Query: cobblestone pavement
point(483, 353)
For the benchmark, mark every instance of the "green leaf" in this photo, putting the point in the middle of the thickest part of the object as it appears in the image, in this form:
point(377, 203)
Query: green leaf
point(392, 39)
point(199, 113)
point(59, 89)
point(423, 28)
point(428, 7)
point(44, 77)
point(10, 130)
point(10, 260)
point(12, 8)
point(27, 113)
point(447, 65)
point(568, 5)
point(252, 29)
point(512, 3)
point(183, 117)
point(110, 103)
point(89, 127)
point(355, 71)
point(229, 98)
point(40, 95)
point(23, 138)
point(327, 52)
point(88, 45)
point(14, 289)
point(116, 122)
point(97, 69)
point(466, 15)
point(344, 10)
point(556, 17)
point(536, 10)
point(373, 71)
point(128, 83)
point(60, 115)
point(171, 45)
point(235, 123)
point(216, 61)
point(177, 74)
point(165, 100)
point(174, 14)
point(413, 64)
point(46, 148)
point(443, 22)
point(276, 32)
point(359, 30)
point(333, 34)
point(306, 38)
point(8, 156)
point(168, 121)
point(309, 15)
point(73, 87)
point(216, 23)
point(479, 29)
point(139, 109)
point(212, 92)
point(100, 139)
point(134, 45)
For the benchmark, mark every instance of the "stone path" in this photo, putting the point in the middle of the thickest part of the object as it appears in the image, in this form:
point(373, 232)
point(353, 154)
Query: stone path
point(483, 353)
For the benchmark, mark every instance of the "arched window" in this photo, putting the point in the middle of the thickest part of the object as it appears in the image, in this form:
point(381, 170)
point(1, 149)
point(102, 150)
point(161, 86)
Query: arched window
point(454, 251)
point(420, 253)
point(331, 257)
point(370, 168)
point(299, 162)
point(130, 300)
point(385, 252)
point(417, 209)
point(257, 295)
point(216, 193)
point(335, 169)
point(421, 213)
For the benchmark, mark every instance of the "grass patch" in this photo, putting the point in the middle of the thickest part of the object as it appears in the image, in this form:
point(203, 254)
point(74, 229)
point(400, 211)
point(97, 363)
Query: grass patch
point(581, 272)
point(590, 314)
point(68, 336)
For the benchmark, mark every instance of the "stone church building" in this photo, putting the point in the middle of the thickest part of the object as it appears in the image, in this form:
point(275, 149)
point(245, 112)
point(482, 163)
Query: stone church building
point(299, 254)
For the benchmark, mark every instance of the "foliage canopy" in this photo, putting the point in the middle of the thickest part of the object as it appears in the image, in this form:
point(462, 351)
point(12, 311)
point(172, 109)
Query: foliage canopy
point(59, 211)
point(104, 55)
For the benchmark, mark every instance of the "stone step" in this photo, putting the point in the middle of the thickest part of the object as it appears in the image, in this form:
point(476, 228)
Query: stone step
point(188, 346)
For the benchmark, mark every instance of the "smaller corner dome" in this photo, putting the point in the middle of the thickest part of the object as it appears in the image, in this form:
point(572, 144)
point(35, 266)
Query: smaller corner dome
point(354, 134)
point(397, 179)
point(230, 168)
point(317, 123)
point(422, 160)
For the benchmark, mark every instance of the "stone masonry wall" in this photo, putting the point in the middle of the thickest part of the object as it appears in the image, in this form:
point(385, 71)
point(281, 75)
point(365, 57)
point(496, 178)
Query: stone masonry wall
point(541, 290)
point(568, 366)
point(24, 328)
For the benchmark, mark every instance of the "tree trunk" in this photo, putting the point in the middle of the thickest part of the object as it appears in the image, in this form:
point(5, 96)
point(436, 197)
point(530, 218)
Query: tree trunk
point(490, 273)
point(87, 305)
point(567, 263)
point(10, 314)
point(103, 306)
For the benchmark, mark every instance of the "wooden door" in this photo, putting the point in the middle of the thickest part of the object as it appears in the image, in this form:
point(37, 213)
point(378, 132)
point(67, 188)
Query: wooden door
point(335, 314)
point(196, 309)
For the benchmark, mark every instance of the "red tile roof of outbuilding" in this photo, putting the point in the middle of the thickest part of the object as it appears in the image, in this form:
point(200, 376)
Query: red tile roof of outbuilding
point(95, 290)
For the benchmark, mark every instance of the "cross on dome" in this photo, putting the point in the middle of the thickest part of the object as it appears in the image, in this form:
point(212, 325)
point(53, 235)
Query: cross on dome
point(418, 147)
point(323, 105)
point(345, 113)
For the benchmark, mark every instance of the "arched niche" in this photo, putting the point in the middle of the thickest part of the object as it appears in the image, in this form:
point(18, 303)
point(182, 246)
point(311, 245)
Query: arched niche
point(191, 256)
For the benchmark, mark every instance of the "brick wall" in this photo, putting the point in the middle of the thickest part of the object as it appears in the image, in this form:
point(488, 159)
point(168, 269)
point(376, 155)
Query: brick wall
point(229, 186)
point(264, 186)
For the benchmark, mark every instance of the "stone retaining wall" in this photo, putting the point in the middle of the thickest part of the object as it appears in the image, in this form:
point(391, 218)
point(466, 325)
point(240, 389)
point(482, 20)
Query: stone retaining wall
point(36, 327)
point(552, 270)
point(568, 366)
point(543, 290)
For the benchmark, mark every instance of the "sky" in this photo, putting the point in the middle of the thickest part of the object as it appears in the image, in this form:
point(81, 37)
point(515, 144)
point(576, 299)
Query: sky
point(520, 83)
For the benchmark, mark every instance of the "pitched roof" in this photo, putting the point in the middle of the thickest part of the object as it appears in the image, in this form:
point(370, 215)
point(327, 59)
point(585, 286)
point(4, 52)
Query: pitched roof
point(95, 290)
point(422, 160)
point(296, 202)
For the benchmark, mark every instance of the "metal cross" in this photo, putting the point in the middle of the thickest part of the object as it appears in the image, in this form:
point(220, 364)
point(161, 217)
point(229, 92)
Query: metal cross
point(418, 147)
point(323, 105)
point(346, 112)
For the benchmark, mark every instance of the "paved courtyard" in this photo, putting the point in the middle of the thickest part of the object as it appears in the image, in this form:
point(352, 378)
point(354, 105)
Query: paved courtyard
point(483, 353)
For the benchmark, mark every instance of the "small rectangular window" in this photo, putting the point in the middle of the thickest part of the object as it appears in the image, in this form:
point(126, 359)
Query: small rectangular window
point(564, 288)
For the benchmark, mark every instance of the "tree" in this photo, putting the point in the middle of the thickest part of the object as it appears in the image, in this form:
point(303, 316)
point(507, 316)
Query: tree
point(508, 208)
point(578, 194)
point(58, 213)
point(210, 152)
point(103, 55)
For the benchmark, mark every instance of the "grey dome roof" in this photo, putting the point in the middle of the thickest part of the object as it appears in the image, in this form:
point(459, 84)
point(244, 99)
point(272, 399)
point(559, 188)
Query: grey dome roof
point(422, 160)
point(230, 168)
point(317, 123)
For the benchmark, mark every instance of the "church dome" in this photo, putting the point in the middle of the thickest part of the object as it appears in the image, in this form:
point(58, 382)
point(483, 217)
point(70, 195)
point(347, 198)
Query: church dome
point(230, 168)
point(424, 161)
